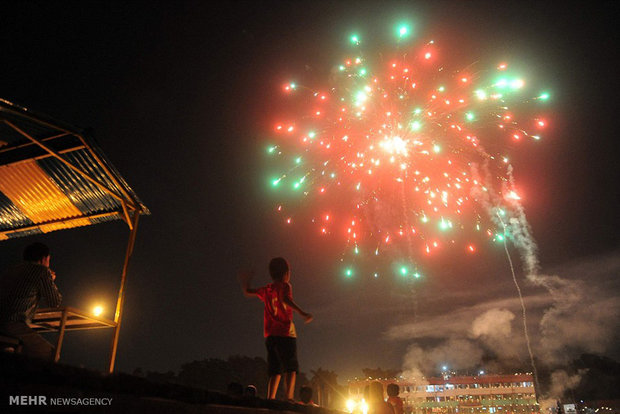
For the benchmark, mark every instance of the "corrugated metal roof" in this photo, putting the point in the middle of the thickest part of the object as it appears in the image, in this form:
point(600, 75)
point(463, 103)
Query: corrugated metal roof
point(53, 176)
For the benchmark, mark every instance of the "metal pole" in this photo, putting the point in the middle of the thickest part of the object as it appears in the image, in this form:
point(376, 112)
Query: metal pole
point(61, 334)
point(121, 292)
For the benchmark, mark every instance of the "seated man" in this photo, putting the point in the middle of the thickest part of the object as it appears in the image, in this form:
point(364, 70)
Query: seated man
point(21, 289)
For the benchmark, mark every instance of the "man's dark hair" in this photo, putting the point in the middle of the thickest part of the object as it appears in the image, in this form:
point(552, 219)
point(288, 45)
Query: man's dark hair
point(278, 266)
point(250, 391)
point(35, 252)
point(392, 390)
point(305, 394)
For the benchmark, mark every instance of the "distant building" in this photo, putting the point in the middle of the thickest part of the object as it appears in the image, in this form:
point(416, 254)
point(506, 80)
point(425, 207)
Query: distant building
point(484, 394)
point(598, 407)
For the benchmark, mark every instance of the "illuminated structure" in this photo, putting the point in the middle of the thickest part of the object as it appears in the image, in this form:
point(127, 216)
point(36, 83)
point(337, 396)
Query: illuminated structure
point(491, 394)
point(53, 176)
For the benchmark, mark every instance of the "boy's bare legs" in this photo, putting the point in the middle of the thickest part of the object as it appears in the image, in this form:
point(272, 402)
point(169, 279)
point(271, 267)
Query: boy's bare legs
point(289, 384)
point(272, 389)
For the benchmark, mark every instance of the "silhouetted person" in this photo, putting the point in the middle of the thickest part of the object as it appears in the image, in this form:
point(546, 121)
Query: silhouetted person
point(22, 288)
point(250, 391)
point(305, 396)
point(279, 328)
point(394, 399)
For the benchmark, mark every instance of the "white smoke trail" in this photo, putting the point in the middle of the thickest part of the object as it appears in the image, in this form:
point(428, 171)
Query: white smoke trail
point(520, 229)
point(524, 315)
point(565, 294)
point(522, 233)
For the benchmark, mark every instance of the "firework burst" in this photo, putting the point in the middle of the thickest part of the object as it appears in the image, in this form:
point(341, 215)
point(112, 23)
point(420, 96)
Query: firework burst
point(402, 157)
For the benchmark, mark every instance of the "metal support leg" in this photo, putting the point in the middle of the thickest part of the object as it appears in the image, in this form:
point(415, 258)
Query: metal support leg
point(61, 335)
point(118, 316)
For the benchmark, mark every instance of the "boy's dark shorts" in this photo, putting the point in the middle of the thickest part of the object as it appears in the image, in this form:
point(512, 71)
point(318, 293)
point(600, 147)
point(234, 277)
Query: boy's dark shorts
point(281, 354)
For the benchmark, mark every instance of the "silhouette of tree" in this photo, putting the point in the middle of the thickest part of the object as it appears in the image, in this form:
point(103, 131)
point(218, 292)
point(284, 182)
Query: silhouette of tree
point(216, 374)
point(162, 377)
point(380, 373)
point(327, 392)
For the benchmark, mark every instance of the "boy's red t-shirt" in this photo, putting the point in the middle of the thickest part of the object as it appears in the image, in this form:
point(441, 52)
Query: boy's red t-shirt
point(397, 403)
point(278, 317)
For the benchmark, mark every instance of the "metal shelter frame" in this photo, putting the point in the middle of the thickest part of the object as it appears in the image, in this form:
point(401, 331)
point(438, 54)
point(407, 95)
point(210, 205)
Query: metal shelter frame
point(61, 179)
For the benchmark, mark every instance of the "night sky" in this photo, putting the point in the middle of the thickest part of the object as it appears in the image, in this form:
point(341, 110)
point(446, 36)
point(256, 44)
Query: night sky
point(181, 98)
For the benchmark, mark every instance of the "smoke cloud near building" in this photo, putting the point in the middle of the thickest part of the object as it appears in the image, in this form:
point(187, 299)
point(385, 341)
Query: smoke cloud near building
point(571, 315)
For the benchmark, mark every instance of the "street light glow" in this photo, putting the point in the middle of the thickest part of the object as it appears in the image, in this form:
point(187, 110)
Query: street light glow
point(98, 310)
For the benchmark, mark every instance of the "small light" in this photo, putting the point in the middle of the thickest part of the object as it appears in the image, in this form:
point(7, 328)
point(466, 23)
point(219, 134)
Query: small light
point(416, 125)
point(481, 94)
point(403, 31)
point(517, 84)
point(98, 310)
point(513, 195)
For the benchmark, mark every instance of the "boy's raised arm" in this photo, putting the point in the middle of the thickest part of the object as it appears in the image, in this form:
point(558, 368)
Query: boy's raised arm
point(245, 277)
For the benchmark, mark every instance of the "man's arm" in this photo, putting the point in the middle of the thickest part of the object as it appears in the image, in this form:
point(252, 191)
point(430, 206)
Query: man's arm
point(49, 290)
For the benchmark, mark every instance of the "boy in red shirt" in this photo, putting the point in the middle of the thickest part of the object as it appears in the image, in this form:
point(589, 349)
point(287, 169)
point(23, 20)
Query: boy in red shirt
point(279, 328)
